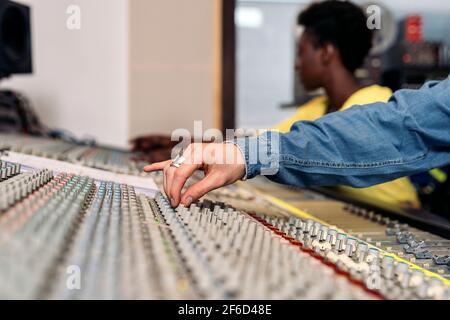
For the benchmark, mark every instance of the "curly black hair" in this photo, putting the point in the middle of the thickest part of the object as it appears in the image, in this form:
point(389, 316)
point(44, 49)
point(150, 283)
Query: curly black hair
point(342, 24)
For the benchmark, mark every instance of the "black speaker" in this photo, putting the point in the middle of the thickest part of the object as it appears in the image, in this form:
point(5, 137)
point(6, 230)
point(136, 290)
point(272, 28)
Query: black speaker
point(15, 39)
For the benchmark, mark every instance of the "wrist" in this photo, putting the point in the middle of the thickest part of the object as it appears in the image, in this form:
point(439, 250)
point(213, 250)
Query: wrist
point(261, 154)
point(240, 158)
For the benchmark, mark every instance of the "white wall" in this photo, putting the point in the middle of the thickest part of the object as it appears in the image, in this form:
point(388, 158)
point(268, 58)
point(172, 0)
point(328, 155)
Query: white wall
point(172, 65)
point(135, 67)
point(80, 78)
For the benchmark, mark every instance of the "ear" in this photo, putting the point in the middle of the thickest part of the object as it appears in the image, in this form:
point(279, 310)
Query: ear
point(328, 53)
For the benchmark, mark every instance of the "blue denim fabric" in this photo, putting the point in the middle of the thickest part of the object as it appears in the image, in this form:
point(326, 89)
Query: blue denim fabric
point(362, 146)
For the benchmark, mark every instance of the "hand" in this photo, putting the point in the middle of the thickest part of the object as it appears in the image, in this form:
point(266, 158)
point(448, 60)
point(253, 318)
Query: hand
point(222, 164)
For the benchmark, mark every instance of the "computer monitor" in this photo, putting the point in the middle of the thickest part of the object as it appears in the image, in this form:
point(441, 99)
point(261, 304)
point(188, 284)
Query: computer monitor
point(15, 39)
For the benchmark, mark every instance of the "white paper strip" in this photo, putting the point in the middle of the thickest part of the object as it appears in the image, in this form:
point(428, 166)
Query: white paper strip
point(144, 184)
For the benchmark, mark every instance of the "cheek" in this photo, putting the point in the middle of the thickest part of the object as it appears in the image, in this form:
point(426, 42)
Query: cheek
point(308, 67)
point(310, 72)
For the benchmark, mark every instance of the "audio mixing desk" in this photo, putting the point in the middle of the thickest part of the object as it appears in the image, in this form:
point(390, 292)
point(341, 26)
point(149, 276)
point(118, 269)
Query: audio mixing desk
point(71, 234)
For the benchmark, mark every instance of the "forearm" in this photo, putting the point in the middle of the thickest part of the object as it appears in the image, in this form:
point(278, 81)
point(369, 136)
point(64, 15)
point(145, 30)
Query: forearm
point(360, 147)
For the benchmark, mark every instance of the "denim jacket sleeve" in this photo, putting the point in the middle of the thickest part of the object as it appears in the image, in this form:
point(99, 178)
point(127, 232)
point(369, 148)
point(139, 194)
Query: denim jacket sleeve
point(360, 147)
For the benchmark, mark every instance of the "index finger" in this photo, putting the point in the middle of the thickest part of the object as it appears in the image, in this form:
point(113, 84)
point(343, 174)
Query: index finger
point(158, 166)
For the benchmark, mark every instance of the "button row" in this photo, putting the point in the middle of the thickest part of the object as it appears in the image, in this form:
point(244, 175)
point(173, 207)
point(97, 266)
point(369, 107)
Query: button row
point(378, 271)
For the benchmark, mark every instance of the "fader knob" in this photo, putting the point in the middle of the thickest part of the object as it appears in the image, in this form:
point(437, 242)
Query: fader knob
point(332, 236)
point(350, 247)
point(387, 265)
point(341, 242)
point(323, 233)
point(316, 229)
point(298, 223)
point(361, 250)
point(442, 260)
point(309, 226)
point(372, 255)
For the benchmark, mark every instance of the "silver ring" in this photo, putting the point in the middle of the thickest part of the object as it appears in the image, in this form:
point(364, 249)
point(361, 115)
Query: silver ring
point(178, 161)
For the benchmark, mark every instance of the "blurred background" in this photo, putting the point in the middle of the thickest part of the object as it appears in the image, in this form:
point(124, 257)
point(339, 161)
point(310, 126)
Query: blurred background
point(128, 68)
point(266, 80)
point(104, 72)
point(134, 67)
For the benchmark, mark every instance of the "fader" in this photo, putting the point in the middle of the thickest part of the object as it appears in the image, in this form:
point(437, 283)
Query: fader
point(64, 236)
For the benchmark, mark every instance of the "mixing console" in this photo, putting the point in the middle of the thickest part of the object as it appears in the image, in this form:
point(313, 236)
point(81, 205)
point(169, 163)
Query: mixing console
point(421, 248)
point(64, 236)
point(90, 156)
point(8, 170)
point(335, 230)
point(130, 246)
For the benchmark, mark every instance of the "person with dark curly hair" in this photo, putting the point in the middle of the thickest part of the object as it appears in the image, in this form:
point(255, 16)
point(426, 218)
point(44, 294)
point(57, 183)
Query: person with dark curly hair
point(334, 43)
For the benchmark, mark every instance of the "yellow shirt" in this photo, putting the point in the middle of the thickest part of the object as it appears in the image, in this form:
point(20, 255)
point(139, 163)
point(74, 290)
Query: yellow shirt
point(400, 192)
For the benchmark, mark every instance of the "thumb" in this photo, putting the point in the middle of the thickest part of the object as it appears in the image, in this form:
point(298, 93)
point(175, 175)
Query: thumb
point(199, 189)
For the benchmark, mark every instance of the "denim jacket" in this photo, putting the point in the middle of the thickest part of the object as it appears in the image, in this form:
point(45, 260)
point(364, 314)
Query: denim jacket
point(360, 147)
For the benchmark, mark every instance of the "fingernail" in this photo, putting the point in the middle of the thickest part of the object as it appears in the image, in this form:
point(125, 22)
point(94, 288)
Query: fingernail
point(188, 201)
point(172, 202)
